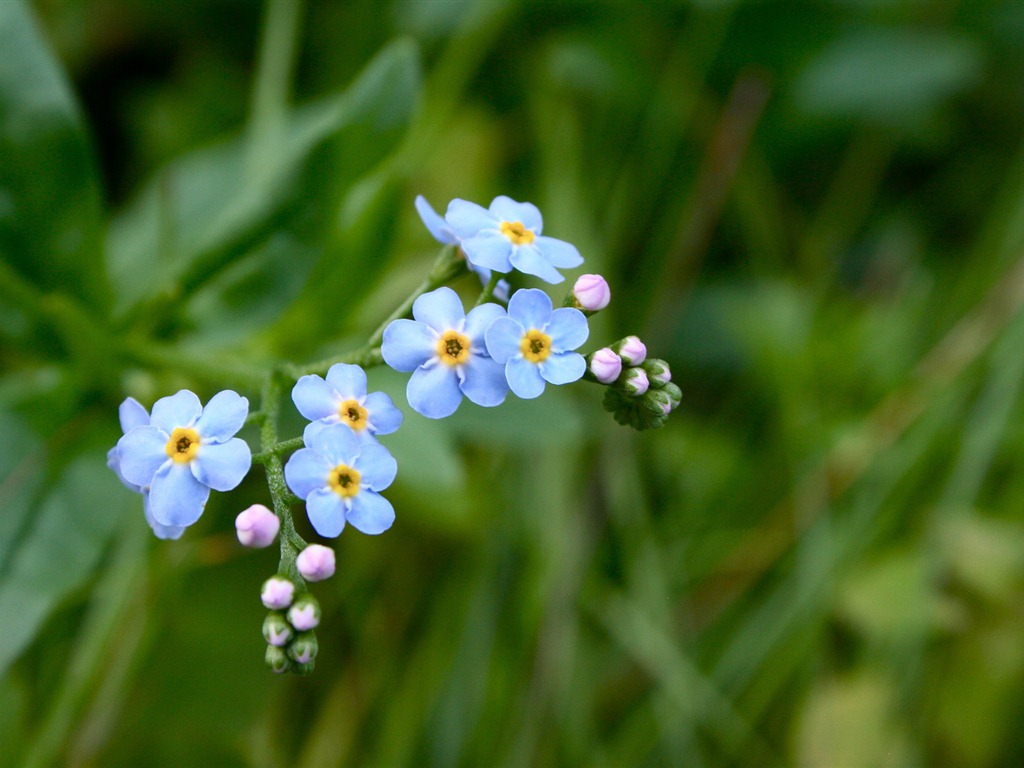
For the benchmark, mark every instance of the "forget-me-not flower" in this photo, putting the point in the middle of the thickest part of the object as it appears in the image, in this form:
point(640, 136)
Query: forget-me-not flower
point(133, 414)
point(184, 451)
point(535, 343)
point(342, 398)
point(340, 477)
point(444, 234)
point(444, 348)
point(507, 236)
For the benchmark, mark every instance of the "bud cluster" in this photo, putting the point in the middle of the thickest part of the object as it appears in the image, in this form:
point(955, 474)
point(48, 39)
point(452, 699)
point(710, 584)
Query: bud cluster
point(288, 627)
point(640, 391)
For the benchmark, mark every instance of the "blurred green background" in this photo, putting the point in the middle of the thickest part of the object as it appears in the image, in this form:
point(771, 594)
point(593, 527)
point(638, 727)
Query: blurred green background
point(814, 211)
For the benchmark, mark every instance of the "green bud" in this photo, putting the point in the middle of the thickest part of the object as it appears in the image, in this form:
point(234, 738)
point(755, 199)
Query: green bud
point(657, 401)
point(674, 393)
point(658, 373)
point(276, 629)
point(304, 669)
point(303, 648)
point(633, 382)
point(277, 660)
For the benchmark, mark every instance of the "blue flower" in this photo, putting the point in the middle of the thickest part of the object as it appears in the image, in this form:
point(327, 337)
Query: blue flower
point(534, 343)
point(443, 234)
point(508, 236)
point(342, 398)
point(340, 477)
point(183, 451)
point(445, 349)
point(132, 414)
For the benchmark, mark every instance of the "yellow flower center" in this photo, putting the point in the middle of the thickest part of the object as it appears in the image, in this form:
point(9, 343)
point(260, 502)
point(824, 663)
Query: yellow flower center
point(453, 348)
point(535, 346)
point(344, 481)
point(183, 445)
point(353, 414)
point(517, 233)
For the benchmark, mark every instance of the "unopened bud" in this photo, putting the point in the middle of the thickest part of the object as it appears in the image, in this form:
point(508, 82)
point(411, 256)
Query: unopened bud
point(591, 293)
point(631, 350)
point(635, 382)
point(316, 562)
point(257, 526)
point(277, 660)
point(658, 373)
point(303, 649)
point(674, 393)
point(658, 402)
point(605, 365)
point(277, 593)
point(276, 630)
point(304, 613)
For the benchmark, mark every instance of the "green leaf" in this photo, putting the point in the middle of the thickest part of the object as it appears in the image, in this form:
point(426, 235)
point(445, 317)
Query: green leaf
point(70, 530)
point(50, 206)
point(21, 472)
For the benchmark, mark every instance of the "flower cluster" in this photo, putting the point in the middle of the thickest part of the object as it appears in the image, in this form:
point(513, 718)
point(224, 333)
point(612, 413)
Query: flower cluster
point(640, 391)
point(288, 627)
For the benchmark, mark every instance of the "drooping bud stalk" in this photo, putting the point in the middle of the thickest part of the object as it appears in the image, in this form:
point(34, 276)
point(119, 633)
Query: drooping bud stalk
point(276, 630)
point(590, 293)
point(634, 382)
point(257, 526)
point(304, 613)
point(604, 365)
point(277, 660)
point(631, 350)
point(304, 648)
point(658, 373)
point(277, 593)
point(316, 562)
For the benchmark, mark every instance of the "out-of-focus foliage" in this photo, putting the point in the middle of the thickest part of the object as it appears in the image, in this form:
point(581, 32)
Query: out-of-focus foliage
point(812, 210)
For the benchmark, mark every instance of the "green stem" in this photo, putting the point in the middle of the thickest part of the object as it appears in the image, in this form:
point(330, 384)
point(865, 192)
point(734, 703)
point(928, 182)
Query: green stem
point(487, 294)
point(278, 449)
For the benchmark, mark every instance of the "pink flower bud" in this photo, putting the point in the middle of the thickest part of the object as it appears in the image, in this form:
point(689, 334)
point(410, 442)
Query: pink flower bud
point(605, 365)
point(305, 614)
point(277, 593)
point(636, 382)
point(316, 562)
point(592, 292)
point(632, 350)
point(257, 526)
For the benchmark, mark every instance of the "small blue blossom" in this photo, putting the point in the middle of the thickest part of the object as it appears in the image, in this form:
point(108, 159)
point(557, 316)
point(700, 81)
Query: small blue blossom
point(534, 343)
point(340, 478)
point(508, 236)
point(342, 398)
point(182, 451)
point(445, 349)
point(443, 233)
point(132, 414)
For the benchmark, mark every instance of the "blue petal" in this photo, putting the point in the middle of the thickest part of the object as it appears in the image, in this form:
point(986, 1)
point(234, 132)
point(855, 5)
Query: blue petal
point(479, 320)
point(484, 382)
point(467, 219)
point(314, 398)
point(507, 209)
point(114, 462)
point(162, 531)
point(563, 367)
point(223, 416)
point(438, 227)
point(440, 309)
point(175, 497)
point(179, 410)
point(528, 260)
point(384, 417)
point(336, 443)
point(222, 466)
point(568, 329)
point(349, 381)
point(376, 466)
point(504, 337)
point(433, 391)
point(132, 415)
point(310, 432)
point(489, 249)
point(306, 471)
point(524, 378)
point(531, 307)
point(407, 345)
point(326, 512)
point(371, 513)
point(142, 452)
point(558, 252)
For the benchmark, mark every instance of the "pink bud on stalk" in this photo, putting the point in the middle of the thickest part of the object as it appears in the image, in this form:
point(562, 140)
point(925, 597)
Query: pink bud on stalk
point(592, 292)
point(257, 526)
point(277, 593)
point(605, 365)
point(304, 614)
point(316, 562)
point(636, 382)
point(631, 350)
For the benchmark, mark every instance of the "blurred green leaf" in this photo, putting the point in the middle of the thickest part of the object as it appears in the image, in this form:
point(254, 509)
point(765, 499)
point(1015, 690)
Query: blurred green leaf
point(70, 530)
point(50, 207)
point(21, 471)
